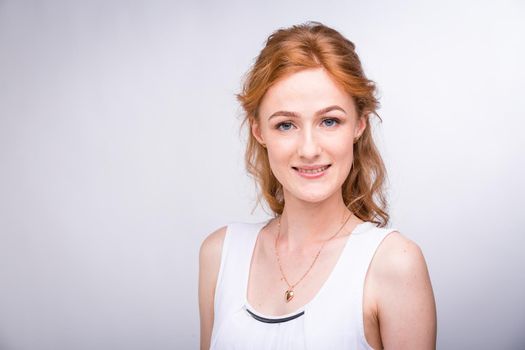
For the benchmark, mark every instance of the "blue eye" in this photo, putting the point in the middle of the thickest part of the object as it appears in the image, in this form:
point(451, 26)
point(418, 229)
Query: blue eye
point(330, 122)
point(284, 126)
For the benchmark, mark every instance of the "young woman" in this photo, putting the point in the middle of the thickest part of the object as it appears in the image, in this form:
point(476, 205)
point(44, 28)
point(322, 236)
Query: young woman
point(324, 273)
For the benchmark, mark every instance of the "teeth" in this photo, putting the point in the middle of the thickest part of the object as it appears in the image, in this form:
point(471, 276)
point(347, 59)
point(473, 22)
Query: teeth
point(312, 171)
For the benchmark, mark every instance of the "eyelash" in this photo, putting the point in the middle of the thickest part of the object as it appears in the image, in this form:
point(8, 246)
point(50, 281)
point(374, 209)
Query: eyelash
point(278, 126)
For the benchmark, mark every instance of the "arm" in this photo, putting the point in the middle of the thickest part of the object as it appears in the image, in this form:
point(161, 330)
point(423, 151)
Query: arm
point(405, 300)
point(209, 265)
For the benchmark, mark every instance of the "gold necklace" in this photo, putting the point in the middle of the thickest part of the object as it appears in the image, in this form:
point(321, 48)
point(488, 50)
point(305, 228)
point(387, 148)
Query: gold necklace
point(290, 292)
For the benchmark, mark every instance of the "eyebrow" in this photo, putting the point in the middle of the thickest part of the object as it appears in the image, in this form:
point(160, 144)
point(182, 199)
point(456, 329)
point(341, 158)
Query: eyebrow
point(295, 115)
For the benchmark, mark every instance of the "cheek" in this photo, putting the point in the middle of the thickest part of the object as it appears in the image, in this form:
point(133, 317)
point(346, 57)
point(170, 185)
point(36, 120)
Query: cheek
point(343, 148)
point(277, 161)
point(280, 149)
point(344, 156)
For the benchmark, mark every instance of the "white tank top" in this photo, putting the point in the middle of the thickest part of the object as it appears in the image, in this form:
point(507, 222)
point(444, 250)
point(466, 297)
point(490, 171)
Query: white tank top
point(333, 319)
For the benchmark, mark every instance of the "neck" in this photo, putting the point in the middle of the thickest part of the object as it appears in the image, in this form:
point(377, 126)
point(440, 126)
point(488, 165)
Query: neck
point(304, 223)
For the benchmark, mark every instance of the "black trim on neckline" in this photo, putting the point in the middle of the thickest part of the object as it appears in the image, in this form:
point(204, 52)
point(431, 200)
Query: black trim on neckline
point(274, 320)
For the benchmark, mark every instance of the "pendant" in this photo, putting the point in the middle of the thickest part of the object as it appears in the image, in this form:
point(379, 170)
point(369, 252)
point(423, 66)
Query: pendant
point(289, 295)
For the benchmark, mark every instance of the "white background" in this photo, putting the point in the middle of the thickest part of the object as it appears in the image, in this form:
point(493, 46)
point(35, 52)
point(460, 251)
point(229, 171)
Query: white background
point(120, 151)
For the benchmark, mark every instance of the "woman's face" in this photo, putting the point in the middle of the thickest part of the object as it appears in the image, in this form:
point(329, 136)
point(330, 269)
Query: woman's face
point(308, 124)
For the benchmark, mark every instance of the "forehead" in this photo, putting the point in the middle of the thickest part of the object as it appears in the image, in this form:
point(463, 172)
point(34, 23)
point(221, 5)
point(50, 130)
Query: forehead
point(305, 92)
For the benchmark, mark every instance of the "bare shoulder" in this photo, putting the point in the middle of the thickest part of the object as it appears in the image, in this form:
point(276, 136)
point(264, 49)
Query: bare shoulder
point(211, 247)
point(209, 265)
point(403, 294)
point(397, 256)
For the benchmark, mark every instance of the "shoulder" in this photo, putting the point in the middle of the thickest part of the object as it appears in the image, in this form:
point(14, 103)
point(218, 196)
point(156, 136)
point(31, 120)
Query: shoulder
point(402, 291)
point(210, 262)
point(398, 264)
point(211, 247)
point(209, 265)
point(398, 255)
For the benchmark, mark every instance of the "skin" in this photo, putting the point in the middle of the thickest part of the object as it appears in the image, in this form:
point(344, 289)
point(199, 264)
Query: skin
point(398, 307)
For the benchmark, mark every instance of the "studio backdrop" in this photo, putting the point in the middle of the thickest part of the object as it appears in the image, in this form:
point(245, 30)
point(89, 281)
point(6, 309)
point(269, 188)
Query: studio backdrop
point(120, 151)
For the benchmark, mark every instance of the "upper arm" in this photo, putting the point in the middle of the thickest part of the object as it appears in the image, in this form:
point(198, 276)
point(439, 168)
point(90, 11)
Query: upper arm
point(209, 265)
point(405, 300)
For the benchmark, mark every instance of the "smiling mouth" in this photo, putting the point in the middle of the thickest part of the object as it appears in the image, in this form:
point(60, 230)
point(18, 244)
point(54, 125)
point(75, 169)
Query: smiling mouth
point(312, 171)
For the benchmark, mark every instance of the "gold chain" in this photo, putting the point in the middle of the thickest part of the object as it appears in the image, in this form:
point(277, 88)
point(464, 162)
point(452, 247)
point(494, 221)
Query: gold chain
point(289, 294)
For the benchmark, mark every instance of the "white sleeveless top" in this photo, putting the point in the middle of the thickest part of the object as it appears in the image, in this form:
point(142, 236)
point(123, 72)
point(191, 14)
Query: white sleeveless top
point(333, 319)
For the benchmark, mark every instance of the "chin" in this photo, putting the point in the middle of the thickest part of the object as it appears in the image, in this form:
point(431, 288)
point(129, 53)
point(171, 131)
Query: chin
point(312, 196)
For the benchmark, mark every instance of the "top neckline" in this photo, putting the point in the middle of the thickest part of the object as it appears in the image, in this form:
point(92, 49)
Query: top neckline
point(358, 229)
point(273, 317)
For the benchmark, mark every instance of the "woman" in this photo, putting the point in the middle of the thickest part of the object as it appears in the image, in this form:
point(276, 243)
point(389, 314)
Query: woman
point(324, 273)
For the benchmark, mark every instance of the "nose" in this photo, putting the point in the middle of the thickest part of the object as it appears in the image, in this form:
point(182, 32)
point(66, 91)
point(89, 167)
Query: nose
point(308, 147)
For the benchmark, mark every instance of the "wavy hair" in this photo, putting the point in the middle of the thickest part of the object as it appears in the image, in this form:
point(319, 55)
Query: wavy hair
point(314, 45)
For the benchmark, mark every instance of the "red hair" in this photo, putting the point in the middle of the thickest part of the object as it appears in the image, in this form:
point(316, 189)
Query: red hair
point(314, 45)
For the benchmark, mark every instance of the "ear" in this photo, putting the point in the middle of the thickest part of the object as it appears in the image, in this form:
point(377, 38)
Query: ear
point(360, 126)
point(256, 131)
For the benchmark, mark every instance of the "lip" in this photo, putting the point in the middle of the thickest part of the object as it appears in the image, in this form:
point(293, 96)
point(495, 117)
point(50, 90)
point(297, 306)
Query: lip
point(310, 167)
